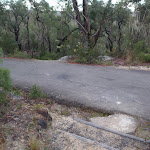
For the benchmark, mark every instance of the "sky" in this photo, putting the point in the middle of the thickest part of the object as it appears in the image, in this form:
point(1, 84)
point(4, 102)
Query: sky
point(56, 5)
point(55, 2)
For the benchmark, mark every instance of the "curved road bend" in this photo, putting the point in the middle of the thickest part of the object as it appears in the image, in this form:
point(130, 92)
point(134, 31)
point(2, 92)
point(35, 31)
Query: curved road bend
point(102, 88)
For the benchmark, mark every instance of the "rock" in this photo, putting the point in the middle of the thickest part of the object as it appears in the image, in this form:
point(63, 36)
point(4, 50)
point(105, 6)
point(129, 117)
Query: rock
point(118, 122)
point(65, 58)
point(45, 114)
point(42, 123)
point(105, 58)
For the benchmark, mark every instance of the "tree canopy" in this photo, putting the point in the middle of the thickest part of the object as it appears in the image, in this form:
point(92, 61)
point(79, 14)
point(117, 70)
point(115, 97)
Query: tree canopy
point(83, 30)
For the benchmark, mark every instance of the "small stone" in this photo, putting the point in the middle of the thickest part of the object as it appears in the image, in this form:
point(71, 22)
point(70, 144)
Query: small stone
point(42, 123)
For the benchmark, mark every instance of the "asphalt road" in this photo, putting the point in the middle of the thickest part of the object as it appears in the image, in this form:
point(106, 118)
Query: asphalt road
point(102, 88)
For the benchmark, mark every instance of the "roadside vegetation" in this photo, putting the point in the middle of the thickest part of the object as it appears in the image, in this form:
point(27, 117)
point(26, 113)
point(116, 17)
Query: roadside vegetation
point(19, 119)
point(26, 123)
point(5, 84)
point(95, 29)
point(42, 32)
point(36, 92)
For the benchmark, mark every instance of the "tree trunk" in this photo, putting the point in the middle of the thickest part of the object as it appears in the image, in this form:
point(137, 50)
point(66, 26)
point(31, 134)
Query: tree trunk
point(86, 17)
point(17, 39)
point(110, 41)
point(88, 40)
point(49, 43)
point(78, 17)
point(120, 36)
point(28, 35)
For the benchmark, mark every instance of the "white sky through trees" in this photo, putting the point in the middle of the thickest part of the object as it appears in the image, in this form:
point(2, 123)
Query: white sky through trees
point(55, 3)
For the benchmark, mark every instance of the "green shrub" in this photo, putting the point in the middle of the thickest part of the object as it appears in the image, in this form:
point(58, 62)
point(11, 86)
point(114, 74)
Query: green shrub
point(3, 98)
point(97, 61)
point(7, 42)
point(35, 92)
point(145, 58)
point(49, 56)
point(18, 54)
point(140, 47)
point(140, 53)
point(82, 60)
point(86, 55)
point(5, 80)
point(0, 53)
point(5, 83)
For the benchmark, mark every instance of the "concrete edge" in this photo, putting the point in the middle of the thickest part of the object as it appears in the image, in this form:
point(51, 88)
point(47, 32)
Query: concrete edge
point(112, 131)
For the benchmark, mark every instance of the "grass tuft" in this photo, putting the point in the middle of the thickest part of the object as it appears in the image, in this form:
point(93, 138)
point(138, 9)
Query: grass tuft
point(36, 92)
point(34, 144)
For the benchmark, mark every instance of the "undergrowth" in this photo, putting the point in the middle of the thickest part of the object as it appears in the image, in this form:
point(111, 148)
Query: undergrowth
point(5, 85)
point(36, 92)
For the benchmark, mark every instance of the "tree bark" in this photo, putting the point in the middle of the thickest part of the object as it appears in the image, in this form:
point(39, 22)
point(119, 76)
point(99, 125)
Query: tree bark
point(49, 43)
point(78, 17)
point(120, 35)
point(109, 40)
point(87, 39)
point(28, 34)
point(17, 38)
point(86, 17)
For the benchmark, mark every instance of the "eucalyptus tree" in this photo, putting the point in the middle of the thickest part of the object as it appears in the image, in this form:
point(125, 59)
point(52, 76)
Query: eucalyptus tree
point(45, 19)
point(122, 14)
point(143, 22)
point(1, 15)
point(87, 38)
point(14, 18)
point(26, 24)
point(66, 28)
point(134, 1)
point(90, 20)
point(1, 11)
